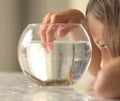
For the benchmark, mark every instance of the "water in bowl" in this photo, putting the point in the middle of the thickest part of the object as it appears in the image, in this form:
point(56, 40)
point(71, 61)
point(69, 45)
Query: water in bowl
point(64, 65)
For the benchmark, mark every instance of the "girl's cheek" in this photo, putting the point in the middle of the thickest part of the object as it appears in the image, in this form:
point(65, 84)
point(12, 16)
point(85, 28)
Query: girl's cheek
point(105, 58)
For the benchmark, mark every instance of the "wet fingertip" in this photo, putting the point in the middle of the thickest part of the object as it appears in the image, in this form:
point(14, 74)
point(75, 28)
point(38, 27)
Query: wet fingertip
point(49, 49)
point(61, 34)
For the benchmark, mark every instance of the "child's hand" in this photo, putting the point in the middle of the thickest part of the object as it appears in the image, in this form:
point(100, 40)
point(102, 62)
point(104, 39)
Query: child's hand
point(108, 80)
point(46, 32)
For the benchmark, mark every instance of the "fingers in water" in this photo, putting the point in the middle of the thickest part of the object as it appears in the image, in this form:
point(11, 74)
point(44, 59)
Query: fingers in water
point(48, 47)
point(42, 35)
point(50, 33)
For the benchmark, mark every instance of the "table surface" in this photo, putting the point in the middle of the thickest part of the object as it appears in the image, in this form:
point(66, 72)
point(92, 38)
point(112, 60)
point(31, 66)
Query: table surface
point(14, 86)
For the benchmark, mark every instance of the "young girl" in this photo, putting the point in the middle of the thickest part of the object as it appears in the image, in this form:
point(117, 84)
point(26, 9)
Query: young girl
point(102, 22)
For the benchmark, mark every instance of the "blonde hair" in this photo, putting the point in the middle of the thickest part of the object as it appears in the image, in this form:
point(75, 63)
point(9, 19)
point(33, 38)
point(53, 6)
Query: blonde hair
point(108, 12)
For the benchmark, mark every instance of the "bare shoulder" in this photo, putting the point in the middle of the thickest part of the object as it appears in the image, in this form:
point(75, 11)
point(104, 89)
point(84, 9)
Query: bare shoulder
point(108, 80)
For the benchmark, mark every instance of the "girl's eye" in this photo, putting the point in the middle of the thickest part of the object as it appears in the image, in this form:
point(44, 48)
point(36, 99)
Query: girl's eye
point(104, 46)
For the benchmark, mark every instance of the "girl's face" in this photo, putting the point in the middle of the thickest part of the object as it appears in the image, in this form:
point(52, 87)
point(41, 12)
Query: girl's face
point(97, 31)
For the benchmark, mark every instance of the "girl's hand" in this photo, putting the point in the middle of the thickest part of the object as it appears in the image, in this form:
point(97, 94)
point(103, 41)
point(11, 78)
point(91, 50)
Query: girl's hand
point(46, 32)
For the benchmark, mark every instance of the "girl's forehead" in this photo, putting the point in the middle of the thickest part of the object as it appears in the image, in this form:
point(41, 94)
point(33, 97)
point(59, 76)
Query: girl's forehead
point(95, 26)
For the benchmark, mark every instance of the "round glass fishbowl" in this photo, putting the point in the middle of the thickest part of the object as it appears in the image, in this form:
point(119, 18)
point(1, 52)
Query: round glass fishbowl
point(54, 54)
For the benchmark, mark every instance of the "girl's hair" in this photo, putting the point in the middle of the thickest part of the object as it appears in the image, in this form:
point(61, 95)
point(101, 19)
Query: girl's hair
point(108, 12)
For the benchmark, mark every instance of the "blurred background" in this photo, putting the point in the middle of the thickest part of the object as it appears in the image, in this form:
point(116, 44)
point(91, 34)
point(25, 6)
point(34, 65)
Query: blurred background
point(15, 15)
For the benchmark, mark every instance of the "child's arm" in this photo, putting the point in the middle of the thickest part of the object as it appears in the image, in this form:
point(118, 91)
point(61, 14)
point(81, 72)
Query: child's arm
point(108, 81)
